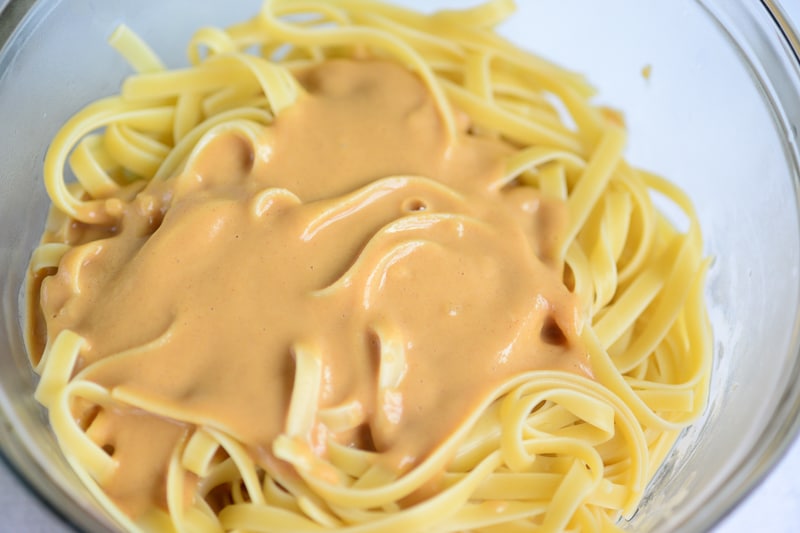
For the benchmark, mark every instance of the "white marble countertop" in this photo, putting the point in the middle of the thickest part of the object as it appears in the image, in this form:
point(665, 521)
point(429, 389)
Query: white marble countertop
point(773, 506)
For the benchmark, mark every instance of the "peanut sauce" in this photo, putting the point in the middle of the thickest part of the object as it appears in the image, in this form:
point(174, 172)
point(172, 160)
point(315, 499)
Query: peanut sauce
point(351, 220)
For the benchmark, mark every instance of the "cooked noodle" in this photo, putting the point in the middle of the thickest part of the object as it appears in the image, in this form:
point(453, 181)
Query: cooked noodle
point(547, 448)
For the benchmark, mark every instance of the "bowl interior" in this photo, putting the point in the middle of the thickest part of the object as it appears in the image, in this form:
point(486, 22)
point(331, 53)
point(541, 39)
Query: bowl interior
point(701, 118)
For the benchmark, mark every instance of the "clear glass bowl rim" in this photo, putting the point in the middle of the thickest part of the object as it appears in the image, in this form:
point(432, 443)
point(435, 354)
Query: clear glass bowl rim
point(783, 427)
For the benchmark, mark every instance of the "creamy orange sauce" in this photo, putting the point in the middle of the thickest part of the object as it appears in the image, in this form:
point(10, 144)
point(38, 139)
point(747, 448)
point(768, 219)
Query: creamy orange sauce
point(351, 219)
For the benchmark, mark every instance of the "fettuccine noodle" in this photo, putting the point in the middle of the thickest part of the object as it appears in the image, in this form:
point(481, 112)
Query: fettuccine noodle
point(548, 448)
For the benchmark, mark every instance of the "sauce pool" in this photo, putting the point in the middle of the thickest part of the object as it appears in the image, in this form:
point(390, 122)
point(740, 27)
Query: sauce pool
point(351, 226)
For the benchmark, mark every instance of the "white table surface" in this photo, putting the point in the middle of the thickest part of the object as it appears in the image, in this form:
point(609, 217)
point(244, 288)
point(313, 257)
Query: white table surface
point(773, 507)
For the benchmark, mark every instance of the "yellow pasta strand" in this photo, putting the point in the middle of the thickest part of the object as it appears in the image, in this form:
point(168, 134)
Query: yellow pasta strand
point(548, 450)
point(135, 50)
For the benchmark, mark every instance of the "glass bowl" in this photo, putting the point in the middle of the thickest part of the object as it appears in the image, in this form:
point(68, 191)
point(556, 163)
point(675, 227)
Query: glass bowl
point(717, 114)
